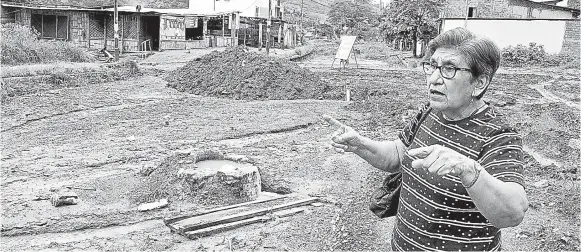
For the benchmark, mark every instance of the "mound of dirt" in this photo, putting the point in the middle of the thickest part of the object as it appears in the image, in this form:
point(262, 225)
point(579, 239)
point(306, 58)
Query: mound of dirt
point(239, 74)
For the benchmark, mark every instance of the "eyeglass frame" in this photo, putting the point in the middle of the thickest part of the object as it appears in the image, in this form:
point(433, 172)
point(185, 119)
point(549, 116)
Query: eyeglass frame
point(440, 69)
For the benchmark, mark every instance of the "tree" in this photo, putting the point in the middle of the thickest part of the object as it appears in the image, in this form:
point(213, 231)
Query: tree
point(358, 17)
point(415, 17)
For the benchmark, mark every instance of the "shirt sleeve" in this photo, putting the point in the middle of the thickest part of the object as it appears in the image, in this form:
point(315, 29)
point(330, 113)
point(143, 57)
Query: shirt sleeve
point(406, 135)
point(502, 156)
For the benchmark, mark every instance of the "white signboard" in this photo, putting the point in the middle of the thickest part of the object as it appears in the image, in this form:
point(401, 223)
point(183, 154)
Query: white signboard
point(172, 27)
point(345, 47)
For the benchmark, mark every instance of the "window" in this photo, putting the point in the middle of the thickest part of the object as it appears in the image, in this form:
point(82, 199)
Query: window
point(96, 26)
point(471, 11)
point(129, 26)
point(216, 24)
point(194, 28)
point(51, 26)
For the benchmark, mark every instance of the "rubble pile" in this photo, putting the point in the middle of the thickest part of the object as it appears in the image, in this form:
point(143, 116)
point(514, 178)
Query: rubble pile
point(239, 74)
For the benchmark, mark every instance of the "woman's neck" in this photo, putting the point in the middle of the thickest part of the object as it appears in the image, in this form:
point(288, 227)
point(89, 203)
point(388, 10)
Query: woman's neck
point(470, 110)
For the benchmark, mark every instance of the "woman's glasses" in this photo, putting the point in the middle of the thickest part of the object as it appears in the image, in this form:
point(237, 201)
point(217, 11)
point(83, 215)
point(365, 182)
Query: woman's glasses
point(447, 72)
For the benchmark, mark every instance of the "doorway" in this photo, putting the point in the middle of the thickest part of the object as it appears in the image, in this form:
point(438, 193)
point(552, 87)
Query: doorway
point(150, 30)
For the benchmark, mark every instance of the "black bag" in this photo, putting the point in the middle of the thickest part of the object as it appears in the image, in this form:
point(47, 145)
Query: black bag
point(385, 199)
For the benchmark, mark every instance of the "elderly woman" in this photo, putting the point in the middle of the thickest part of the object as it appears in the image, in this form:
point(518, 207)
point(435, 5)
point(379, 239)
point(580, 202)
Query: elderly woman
point(461, 164)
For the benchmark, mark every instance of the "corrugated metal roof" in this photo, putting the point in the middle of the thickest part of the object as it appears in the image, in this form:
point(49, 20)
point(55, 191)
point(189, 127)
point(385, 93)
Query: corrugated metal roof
point(130, 9)
point(182, 12)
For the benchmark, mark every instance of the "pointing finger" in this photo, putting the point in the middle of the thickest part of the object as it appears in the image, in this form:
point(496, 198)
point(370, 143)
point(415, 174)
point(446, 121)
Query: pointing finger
point(333, 121)
point(345, 138)
point(338, 133)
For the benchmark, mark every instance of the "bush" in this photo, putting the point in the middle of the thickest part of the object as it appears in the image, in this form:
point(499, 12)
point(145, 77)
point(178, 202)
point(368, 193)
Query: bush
point(535, 55)
point(375, 50)
point(20, 45)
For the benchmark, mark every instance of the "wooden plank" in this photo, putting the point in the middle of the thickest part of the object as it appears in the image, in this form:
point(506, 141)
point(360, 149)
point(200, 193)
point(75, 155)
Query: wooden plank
point(229, 226)
point(214, 215)
point(176, 219)
point(201, 222)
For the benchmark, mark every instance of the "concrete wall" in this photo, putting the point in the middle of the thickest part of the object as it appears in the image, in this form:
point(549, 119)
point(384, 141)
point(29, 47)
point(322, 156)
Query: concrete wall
point(22, 16)
point(247, 8)
point(7, 15)
point(504, 9)
point(210, 41)
point(78, 28)
point(571, 42)
point(549, 33)
point(126, 45)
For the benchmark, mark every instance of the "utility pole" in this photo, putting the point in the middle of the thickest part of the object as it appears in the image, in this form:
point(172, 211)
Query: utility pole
point(301, 23)
point(268, 26)
point(466, 18)
point(301, 26)
point(116, 28)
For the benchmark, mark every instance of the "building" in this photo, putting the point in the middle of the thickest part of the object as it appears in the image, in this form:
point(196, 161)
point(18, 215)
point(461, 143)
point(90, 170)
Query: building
point(553, 24)
point(246, 8)
point(253, 15)
point(513, 9)
point(143, 24)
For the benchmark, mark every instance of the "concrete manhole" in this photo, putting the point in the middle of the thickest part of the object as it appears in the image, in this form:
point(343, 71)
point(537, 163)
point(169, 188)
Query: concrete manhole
point(219, 178)
point(206, 177)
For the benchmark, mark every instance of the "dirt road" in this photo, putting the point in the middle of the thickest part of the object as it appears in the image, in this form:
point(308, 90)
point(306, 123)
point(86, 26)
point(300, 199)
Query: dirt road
point(101, 136)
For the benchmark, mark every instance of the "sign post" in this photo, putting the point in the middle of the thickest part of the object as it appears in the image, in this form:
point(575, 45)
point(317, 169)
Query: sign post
point(343, 53)
point(345, 50)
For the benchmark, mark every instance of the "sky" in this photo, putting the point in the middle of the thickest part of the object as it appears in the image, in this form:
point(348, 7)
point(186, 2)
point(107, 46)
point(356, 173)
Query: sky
point(562, 3)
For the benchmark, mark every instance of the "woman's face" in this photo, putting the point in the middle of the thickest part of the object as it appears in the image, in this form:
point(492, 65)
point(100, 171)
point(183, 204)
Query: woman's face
point(453, 95)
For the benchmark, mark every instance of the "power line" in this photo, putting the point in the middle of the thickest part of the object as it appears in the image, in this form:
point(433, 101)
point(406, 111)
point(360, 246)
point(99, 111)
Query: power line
point(250, 5)
point(321, 4)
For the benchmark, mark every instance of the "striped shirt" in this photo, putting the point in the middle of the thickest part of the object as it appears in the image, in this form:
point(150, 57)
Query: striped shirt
point(436, 213)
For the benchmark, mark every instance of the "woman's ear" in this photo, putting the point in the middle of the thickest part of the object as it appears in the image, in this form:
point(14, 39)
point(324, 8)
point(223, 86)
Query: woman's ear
point(482, 83)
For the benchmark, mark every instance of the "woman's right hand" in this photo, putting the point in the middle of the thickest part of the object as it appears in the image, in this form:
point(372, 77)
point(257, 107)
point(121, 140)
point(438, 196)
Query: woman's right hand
point(345, 138)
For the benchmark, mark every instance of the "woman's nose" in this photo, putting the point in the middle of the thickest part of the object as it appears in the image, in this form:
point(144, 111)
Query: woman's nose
point(436, 77)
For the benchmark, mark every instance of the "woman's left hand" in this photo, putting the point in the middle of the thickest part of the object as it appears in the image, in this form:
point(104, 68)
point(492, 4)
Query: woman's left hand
point(440, 160)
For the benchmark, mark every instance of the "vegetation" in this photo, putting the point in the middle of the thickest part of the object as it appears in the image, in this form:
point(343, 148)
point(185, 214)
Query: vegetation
point(411, 21)
point(535, 55)
point(20, 45)
point(403, 21)
point(358, 18)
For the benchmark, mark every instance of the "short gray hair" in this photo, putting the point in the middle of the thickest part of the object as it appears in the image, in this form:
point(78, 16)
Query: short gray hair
point(482, 55)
